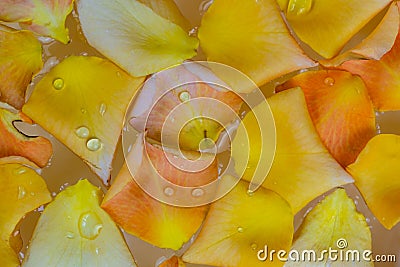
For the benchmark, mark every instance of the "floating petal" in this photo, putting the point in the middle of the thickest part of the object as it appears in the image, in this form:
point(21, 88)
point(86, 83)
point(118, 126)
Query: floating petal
point(312, 170)
point(20, 58)
point(82, 102)
point(134, 36)
point(15, 143)
point(375, 173)
point(45, 17)
point(250, 36)
point(239, 225)
point(325, 31)
point(340, 109)
point(74, 231)
point(334, 224)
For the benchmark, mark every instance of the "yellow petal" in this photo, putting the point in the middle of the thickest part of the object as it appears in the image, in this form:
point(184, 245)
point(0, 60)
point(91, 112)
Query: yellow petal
point(20, 59)
point(82, 102)
point(15, 143)
point(134, 36)
point(333, 224)
point(41, 16)
point(174, 261)
point(23, 190)
point(239, 225)
point(375, 173)
point(326, 26)
point(250, 36)
point(74, 231)
point(302, 168)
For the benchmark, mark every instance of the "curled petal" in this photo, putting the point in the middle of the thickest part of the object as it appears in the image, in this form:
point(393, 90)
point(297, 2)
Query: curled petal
point(74, 231)
point(312, 170)
point(375, 173)
point(325, 31)
point(340, 109)
point(134, 36)
point(333, 224)
point(239, 225)
point(20, 58)
point(15, 143)
point(82, 102)
point(45, 17)
point(251, 37)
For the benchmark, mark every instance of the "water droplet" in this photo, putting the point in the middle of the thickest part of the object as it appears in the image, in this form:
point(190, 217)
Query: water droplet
point(83, 111)
point(82, 132)
point(250, 192)
point(299, 7)
point(368, 220)
point(253, 246)
point(329, 81)
point(97, 250)
point(240, 229)
point(70, 235)
point(21, 192)
point(168, 191)
point(102, 109)
point(90, 225)
point(184, 96)
point(20, 171)
point(119, 74)
point(193, 32)
point(93, 144)
point(197, 192)
point(58, 84)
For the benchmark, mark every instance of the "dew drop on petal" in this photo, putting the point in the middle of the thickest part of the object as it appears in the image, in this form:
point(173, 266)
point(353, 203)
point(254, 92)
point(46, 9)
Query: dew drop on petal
point(168, 191)
point(253, 246)
point(58, 83)
point(329, 81)
point(240, 229)
point(197, 192)
point(70, 235)
point(21, 192)
point(184, 96)
point(89, 225)
point(82, 132)
point(102, 109)
point(250, 192)
point(93, 144)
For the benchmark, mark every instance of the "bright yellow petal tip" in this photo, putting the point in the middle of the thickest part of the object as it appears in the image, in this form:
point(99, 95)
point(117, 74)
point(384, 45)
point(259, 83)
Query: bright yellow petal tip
point(375, 172)
point(82, 102)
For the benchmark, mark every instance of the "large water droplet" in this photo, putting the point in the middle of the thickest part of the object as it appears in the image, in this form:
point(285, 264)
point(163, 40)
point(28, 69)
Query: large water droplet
point(250, 192)
point(93, 144)
point(299, 7)
point(197, 192)
point(102, 109)
point(90, 225)
point(58, 84)
point(169, 191)
point(21, 192)
point(82, 132)
point(329, 81)
point(184, 96)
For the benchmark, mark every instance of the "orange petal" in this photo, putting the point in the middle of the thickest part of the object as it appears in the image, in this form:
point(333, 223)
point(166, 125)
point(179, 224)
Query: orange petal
point(20, 58)
point(340, 109)
point(174, 261)
point(375, 172)
point(15, 143)
point(375, 45)
point(381, 77)
point(82, 102)
point(175, 103)
point(239, 225)
point(23, 190)
point(135, 37)
point(325, 31)
point(334, 224)
point(251, 37)
point(44, 17)
point(312, 170)
point(158, 223)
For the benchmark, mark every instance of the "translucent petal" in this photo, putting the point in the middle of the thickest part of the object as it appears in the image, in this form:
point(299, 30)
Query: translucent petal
point(334, 224)
point(250, 36)
point(82, 102)
point(340, 109)
point(74, 231)
point(134, 36)
point(20, 58)
point(239, 225)
point(375, 173)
